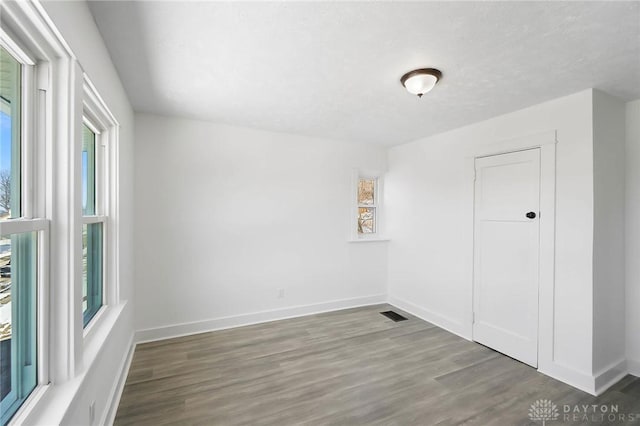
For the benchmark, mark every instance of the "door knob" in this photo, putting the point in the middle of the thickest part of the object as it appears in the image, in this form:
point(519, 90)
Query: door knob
point(531, 215)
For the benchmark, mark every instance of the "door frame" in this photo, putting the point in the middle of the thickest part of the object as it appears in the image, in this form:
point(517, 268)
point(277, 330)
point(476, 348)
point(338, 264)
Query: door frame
point(546, 142)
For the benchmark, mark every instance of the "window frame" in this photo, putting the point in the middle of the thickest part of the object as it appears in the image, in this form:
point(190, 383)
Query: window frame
point(98, 216)
point(373, 205)
point(101, 121)
point(27, 30)
point(378, 204)
point(64, 347)
point(33, 215)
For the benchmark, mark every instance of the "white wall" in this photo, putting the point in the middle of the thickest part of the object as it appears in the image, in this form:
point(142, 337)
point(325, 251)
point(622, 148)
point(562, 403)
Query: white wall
point(608, 237)
point(430, 187)
point(226, 216)
point(633, 235)
point(103, 356)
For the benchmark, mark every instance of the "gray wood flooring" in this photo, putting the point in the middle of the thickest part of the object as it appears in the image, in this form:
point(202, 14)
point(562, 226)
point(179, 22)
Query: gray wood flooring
point(351, 367)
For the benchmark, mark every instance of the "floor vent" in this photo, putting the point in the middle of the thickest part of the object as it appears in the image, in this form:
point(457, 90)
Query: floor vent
point(393, 316)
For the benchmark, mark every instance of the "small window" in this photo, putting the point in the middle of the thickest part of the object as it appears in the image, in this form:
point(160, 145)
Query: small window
point(367, 206)
point(92, 227)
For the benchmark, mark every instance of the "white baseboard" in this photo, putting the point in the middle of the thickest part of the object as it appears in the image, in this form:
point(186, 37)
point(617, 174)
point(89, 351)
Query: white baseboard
point(449, 324)
point(578, 379)
point(185, 329)
point(116, 391)
point(594, 384)
point(609, 376)
point(633, 366)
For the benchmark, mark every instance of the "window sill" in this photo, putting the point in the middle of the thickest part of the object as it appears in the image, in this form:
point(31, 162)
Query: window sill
point(95, 321)
point(32, 401)
point(50, 405)
point(368, 240)
point(98, 330)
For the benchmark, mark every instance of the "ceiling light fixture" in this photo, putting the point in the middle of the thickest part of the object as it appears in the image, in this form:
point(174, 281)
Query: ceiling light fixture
point(418, 82)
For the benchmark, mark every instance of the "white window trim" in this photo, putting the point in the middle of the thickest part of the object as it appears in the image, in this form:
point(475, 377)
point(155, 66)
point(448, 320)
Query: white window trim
point(32, 214)
point(99, 216)
point(98, 117)
point(379, 234)
point(64, 354)
point(29, 36)
point(15, 49)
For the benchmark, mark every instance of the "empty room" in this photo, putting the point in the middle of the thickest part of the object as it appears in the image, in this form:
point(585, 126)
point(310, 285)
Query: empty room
point(319, 213)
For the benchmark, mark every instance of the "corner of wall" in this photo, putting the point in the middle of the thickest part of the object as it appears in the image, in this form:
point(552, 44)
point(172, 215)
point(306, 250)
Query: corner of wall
point(450, 324)
point(632, 235)
point(608, 234)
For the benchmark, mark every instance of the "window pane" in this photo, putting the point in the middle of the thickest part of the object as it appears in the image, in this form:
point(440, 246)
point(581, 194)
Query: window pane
point(366, 220)
point(10, 113)
point(366, 191)
point(18, 260)
point(88, 171)
point(84, 269)
point(91, 270)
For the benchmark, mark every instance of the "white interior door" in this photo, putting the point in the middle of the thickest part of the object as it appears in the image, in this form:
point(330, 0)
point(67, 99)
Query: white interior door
point(506, 252)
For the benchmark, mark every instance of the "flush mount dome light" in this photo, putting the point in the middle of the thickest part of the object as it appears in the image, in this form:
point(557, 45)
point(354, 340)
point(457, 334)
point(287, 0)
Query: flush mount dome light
point(419, 82)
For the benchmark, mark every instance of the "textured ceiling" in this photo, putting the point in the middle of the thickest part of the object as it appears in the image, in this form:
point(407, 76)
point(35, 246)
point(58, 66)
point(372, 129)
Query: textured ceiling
point(332, 69)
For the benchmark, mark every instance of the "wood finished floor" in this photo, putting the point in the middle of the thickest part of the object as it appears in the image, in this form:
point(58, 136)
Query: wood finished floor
point(351, 367)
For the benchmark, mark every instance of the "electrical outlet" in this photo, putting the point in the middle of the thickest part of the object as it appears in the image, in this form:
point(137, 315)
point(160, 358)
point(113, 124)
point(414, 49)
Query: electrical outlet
point(92, 412)
point(281, 293)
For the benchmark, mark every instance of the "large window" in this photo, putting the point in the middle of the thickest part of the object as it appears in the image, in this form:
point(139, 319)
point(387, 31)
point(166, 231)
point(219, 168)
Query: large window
point(92, 224)
point(20, 232)
point(58, 217)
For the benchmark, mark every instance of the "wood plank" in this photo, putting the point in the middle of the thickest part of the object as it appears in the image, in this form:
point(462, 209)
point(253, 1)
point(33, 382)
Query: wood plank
point(346, 367)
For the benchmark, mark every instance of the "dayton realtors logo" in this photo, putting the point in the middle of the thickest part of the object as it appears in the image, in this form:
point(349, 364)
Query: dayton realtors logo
point(597, 413)
point(544, 410)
